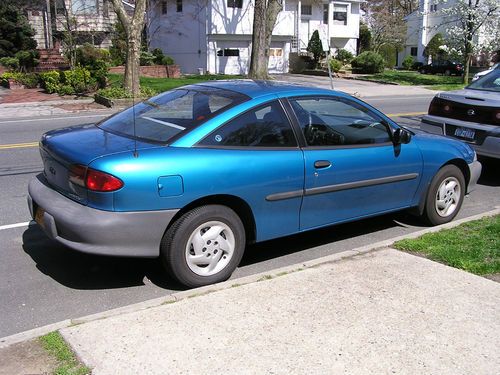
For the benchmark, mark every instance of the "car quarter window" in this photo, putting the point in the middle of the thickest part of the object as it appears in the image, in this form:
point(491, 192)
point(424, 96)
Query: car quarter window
point(264, 126)
point(338, 122)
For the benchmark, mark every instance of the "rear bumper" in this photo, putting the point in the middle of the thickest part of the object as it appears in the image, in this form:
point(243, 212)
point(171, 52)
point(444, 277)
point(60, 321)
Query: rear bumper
point(489, 145)
point(135, 234)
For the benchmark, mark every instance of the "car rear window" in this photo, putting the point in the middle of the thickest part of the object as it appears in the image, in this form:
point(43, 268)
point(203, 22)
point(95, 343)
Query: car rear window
point(165, 116)
point(488, 82)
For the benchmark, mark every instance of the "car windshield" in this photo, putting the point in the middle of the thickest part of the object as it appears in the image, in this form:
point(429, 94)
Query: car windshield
point(162, 117)
point(488, 82)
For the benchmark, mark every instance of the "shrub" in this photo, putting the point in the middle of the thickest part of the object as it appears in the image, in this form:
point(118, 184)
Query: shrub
point(11, 63)
point(27, 59)
point(315, 47)
point(65, 90)
point(167, 60)
point(344, 56)
point(88, 55)
point(146, 58)
point(79, 79)
point(297, 65)
point(417, 65)
point(335, 65)
point(158, 54)
point(368, 62)
point(50, 81)
point(407, 62)
point(121, 93)
point(28, 80)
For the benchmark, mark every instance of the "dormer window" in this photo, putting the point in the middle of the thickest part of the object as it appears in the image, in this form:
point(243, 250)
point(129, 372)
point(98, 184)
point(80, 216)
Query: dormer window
point(235, 4)
point(339, 14)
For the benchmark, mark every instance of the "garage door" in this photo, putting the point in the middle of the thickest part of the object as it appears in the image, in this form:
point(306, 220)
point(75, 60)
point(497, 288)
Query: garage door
point(277, 57)
point(232, 57)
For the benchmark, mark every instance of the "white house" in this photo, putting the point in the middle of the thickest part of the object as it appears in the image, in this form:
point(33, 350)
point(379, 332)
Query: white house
point(216, 35)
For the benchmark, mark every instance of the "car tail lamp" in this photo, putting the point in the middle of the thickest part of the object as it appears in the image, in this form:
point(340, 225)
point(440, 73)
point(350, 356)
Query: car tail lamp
point(496, 117)
point(94, 180)
point(435, 106)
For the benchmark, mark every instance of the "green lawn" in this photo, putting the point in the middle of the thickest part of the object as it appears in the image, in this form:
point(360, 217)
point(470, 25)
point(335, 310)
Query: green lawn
point(164, 84)
point(411, 78)
point(473, 246)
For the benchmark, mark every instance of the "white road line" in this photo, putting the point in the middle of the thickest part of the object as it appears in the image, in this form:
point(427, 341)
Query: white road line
point(17, 225)
point(54, 118)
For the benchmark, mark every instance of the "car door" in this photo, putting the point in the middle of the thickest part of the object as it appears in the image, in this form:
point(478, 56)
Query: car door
point(352, 168)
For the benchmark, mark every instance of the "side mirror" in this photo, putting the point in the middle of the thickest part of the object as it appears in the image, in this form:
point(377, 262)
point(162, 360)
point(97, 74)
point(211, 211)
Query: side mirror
point(401, 136)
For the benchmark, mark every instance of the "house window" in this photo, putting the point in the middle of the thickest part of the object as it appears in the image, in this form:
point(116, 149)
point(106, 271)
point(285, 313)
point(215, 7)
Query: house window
point(325, 14)
point(434, 7)
point(339, 14)
point(235, 4)
point(276, 52)
point(84, 6)
point(306, 10)
point(60, 7)
point(179, 5)
point(163, 7)
point(228, 52)
point(414, 51)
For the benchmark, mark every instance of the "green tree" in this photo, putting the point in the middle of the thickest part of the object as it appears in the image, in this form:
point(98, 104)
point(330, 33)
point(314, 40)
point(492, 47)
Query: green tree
point(433, 48)
point(315, 47)
point(365, 38)
point(16, 33)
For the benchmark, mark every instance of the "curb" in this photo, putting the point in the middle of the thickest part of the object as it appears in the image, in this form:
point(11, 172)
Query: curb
point(178, 296)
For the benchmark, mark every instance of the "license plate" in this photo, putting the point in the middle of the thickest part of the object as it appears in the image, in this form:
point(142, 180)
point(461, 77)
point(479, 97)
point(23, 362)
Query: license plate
point(39, 216)
point(465, 133)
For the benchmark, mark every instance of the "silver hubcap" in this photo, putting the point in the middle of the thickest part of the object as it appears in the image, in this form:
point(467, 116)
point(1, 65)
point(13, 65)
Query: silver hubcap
point(448, 197)
point(210, 248)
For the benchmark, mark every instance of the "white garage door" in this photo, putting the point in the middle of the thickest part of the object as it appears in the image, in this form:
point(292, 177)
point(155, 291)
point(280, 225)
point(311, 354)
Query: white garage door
point(232, 57)
point(277, 58)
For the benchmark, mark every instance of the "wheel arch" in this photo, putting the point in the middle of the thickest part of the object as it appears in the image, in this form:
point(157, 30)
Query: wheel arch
point(237, 204)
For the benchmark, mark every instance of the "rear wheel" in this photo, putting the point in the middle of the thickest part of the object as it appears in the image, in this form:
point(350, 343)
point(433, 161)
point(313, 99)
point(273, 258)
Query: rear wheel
point(204, 246)
point(447, 72)
point(445, 195)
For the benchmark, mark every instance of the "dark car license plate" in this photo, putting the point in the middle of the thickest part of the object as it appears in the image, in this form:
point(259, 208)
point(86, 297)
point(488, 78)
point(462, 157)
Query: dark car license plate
point(465, 133)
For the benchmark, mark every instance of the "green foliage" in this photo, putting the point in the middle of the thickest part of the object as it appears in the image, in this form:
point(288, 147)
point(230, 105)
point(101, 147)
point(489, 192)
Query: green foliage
point(118, 49)
point(147, 58)
point(297, 64)
point(67, 362)
point(50, 81)
point(315, 47)
point(433, 47)
point(158, 54)
point(408, 62)
point(27, 59)
point(87, 55)
point(368, 62)
point(388, 52)
point(335, 65)
point(28, 80)
point(344, 56)
point(121, 93)
point(16, 33)
point(167, 60)
point(78, 79)
point(365, 38)
point(11, 63)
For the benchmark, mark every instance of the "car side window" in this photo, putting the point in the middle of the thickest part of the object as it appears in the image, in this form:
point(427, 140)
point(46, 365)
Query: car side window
point(338, 122)
point(265, 126)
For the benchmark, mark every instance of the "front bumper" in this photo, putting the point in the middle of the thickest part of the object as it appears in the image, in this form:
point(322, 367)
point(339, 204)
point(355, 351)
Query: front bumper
point(486, 142)
point(135, 234)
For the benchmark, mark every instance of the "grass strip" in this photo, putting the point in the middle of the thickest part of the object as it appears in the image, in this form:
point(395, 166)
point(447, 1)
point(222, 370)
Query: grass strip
point(410, 78)
point(54, 343)
point(472, 246)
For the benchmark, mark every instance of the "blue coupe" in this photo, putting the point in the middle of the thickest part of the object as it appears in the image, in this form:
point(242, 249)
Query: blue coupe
point(194, 174)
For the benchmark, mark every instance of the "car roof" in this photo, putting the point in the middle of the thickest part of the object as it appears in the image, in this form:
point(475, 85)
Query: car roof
point(258, 88)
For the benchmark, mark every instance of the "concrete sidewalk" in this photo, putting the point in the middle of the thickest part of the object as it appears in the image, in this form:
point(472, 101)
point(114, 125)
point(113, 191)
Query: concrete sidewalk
point(382, 312)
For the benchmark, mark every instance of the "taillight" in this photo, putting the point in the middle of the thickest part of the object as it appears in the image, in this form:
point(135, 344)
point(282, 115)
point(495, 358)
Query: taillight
point(496, 117)
point(94, 180)
point(100, 181)
point(434, 107)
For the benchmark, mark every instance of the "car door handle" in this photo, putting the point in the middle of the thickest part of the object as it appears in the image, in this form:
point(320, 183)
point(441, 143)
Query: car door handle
point(322, 164)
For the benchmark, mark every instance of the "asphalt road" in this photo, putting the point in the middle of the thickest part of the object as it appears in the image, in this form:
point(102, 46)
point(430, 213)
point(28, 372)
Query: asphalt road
point(42, 282)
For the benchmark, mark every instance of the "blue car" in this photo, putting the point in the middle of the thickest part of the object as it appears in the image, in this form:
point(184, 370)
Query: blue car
point(194, 174)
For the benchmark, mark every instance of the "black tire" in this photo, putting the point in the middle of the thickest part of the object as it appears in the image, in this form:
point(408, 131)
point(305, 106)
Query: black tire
point(432, 214)
point(174, 252)
point(447, 72)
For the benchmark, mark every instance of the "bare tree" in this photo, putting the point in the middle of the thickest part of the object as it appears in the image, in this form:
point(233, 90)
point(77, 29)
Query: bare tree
point(264, 19)
point(133, 26)
point(471, 26)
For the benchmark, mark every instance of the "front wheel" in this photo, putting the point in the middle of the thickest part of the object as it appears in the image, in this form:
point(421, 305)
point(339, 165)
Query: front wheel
point(445, 195)
point(204, 246)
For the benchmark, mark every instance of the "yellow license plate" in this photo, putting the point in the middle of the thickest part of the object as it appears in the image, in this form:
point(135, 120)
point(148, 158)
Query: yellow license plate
point(39, 216)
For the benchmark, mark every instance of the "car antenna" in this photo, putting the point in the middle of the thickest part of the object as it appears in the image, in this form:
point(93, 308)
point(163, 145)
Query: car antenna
point(133, 112)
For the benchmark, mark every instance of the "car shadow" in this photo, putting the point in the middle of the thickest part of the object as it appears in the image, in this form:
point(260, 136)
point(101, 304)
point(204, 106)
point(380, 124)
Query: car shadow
point(78, 270)
point(276, 248)
point(489, 174)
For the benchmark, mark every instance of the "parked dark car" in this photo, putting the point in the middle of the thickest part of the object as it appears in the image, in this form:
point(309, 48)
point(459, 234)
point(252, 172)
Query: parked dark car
point(196, 173)
point(471, 115)
point(446, 67)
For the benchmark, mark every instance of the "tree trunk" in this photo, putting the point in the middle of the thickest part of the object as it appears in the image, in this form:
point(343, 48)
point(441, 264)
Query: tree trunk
point(263, 24)
point(131, 79)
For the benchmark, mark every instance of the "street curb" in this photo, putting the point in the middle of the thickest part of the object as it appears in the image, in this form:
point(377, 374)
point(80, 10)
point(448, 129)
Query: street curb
point(178, 296)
